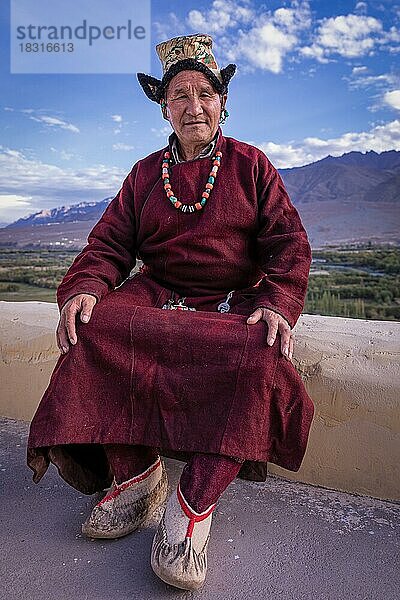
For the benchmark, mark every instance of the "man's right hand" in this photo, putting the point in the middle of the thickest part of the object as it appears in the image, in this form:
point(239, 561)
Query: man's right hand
point(66, 330)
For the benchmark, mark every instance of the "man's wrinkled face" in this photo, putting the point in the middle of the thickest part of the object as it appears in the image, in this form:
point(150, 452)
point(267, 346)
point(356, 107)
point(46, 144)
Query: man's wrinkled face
point(193, 107)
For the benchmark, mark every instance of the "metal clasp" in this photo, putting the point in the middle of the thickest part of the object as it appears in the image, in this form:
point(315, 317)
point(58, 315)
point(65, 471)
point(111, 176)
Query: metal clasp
point(171, 304)
point(224, 306)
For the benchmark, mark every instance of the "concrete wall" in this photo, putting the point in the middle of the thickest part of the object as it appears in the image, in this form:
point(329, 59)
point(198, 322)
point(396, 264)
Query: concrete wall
point(351, 369)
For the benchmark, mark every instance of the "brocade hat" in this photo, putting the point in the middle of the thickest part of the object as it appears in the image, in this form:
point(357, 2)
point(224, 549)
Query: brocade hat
point(189, 52)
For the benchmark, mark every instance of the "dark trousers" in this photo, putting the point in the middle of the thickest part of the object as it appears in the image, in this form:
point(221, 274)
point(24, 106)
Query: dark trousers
point(203, 480)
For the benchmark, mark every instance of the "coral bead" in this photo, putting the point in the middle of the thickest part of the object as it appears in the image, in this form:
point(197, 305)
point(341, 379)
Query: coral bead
point(190, 207)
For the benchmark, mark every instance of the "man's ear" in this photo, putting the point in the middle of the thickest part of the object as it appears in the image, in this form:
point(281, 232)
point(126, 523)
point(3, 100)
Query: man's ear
point(164, 111)
point(224, 98)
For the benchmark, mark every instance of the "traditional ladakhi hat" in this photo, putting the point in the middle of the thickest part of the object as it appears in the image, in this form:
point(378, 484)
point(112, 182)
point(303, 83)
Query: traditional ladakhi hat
point(189, 52)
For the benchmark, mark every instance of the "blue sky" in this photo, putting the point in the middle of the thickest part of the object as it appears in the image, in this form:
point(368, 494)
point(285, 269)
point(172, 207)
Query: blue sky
point(314, 78)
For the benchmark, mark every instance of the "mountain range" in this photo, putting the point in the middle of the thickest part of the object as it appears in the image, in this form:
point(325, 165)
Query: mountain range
point(342, 200)
point(84, 211)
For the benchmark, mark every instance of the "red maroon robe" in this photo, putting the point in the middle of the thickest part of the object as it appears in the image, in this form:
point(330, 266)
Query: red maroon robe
point(182, 381)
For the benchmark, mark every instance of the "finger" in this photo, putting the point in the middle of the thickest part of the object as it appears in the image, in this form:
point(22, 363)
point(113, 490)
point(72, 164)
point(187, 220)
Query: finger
point(291, 344)
point(272, 330)
point(255, 316)
point(70, 322)
point(87, 307)
point(59, 343)
point(61, 334)
point(285, 334)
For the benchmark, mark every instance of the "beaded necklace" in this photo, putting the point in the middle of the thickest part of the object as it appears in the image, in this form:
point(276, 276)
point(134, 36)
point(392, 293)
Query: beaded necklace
point(189, 208)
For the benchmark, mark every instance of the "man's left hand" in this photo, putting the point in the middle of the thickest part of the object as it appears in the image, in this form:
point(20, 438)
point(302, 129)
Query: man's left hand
point(275, 323)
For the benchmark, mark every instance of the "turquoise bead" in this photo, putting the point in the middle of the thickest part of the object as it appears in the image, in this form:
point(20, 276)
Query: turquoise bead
point(173, 199)
point(203, 201)
point(211, 179)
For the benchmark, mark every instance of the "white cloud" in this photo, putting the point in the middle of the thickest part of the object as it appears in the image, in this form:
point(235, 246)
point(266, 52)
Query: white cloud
point(50, 185)
point(391, 37)
point(117, 119)
point(250, 35)
point(171, 26)
point(270, 39)
point(349, 36)
point(264, 47)
point(55, 122)
point(361, 79)
point(223, 15)
point(40, 116)
point(14, 204)
point(392, 99)
point(247, 33)
point(8, 200)
point(64, 154)
point(295, 154)
point(161, 131)
point(361, 8)
point(358, 70)
point(122, 146)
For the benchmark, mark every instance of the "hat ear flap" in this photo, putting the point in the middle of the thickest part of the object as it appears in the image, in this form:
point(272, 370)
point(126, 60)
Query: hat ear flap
point(150, 85)
point(227, 73)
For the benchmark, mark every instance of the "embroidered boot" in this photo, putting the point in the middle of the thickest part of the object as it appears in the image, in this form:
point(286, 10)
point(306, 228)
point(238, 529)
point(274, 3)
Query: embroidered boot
point(128, 505)
point(179, 551)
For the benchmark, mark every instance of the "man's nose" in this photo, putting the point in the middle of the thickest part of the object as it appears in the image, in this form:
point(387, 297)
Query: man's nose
point(194, 106)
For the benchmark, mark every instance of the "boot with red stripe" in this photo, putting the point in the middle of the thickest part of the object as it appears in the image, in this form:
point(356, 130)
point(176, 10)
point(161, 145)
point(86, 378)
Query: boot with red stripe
point(179, 551)
point(128, 504)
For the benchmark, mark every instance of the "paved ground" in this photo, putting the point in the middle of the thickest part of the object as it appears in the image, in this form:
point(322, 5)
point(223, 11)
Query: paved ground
point(272, 540)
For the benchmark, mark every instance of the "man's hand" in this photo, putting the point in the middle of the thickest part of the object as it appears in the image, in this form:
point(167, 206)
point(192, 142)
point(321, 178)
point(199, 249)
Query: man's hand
point(66, 330)
point(275, 323)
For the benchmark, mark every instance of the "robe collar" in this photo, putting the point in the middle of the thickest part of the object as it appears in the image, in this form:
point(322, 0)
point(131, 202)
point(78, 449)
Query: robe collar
point(206, 152)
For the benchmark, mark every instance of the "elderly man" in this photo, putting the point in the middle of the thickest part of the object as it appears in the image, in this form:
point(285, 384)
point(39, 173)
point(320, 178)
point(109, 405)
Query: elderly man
point(191, 356)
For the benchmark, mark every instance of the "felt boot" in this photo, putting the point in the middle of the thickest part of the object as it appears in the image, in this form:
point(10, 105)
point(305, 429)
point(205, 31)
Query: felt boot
point(128, 504)
point(179, 551)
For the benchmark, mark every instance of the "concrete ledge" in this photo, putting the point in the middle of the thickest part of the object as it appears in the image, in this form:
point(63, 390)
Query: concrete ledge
point(350, 368)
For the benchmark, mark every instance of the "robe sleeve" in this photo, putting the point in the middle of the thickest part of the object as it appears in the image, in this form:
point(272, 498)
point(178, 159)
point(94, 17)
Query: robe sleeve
point(283, 249)
point(110, 253)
